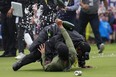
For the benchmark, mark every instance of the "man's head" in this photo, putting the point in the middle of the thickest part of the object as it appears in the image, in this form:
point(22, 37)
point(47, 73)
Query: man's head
point(63, 52)
point(83, 49)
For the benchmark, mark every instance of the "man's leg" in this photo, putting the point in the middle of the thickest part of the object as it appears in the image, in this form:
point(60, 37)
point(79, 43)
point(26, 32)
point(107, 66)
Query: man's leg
point(95, 27)
point(4, 32)
point(32, 57)
point(12, 34)
point(83, 21)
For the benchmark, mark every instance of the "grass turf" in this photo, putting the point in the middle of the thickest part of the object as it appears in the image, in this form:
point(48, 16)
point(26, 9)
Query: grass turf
point(103, 66)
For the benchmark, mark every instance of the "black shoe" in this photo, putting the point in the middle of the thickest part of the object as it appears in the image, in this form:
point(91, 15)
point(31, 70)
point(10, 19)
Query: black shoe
point(16, 66)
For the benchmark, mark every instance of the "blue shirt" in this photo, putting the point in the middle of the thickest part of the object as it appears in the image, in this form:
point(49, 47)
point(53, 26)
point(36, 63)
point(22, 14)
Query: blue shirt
point(105, 29)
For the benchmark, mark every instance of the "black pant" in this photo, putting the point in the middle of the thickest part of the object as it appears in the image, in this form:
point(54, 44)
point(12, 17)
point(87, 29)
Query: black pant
point(84, 18)
point(8, 34)
point(20, 37)
point(30, 58)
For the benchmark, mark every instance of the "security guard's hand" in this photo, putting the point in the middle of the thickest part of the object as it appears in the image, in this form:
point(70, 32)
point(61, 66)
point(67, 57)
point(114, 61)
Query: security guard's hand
point(84, 6)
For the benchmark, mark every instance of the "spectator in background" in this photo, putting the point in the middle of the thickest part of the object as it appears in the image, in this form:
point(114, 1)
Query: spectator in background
point(114, 27)
point(105, 29)
point(8, 29)
point(48, 12)
point(1, 48)
point(0, 28)
point(89, 13)
point(110, 15)
point(68, 11)
point(111, 19)
point(24, 27)
point(0, 17)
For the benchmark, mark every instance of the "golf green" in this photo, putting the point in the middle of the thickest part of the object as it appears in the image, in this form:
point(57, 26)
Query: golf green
point(104, 65)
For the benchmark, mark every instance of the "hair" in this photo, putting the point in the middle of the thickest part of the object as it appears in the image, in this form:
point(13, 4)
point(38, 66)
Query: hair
point(63, 51)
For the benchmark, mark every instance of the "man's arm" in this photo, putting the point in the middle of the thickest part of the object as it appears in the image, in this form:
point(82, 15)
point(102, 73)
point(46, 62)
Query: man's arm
point(75, 6)
point(84, 6)
point(66, 36)
point(53, 65)
point(68, 41)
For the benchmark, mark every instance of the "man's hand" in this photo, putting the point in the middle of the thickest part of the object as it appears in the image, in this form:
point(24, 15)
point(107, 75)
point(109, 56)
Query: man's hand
point(84, 6)
point(42, 48)
point(59, 23)
point(9, 14)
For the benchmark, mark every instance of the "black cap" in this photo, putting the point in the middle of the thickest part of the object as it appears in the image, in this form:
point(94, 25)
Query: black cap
point(67, 25)
point(85, 48)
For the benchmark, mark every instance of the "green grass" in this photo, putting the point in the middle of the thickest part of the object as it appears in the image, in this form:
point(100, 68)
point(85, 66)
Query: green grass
point(103, 66)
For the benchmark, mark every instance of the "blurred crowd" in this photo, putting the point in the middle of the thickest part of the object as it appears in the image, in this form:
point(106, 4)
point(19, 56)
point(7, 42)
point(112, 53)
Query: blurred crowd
point(110, 27)
point(109, 17)
point(107, 26)
point(107, 31)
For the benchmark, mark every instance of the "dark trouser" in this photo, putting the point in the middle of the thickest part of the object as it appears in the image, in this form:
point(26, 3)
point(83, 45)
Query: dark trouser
point(30, 58)
point(9, 34)
point(94, 22)
point(20, 38)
